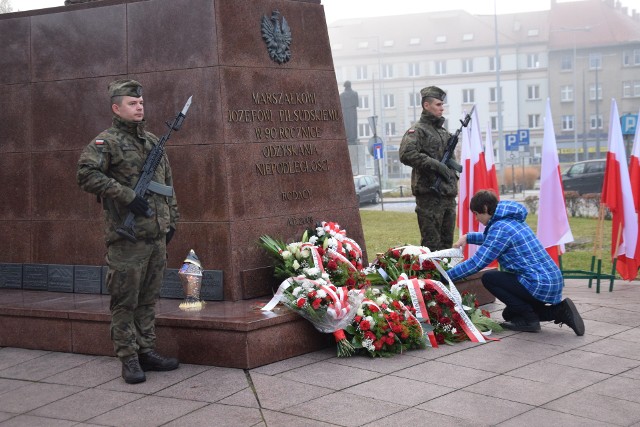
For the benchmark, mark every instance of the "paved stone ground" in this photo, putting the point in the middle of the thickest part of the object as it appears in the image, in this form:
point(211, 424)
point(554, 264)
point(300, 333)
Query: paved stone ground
point(545, 379)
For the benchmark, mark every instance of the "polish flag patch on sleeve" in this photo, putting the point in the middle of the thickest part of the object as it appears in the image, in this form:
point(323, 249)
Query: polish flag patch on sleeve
point(99, 141)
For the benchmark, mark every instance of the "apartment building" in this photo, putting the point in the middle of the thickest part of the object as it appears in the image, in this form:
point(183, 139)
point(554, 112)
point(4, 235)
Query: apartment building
point(529, 56)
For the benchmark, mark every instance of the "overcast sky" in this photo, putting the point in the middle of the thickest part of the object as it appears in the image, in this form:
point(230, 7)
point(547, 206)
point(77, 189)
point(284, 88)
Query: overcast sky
point(341, 9)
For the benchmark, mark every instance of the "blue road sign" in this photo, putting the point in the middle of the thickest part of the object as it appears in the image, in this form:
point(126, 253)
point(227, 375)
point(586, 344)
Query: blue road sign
point(523, 136)
point(511, 141)
point(629, 122)
point(377, 151)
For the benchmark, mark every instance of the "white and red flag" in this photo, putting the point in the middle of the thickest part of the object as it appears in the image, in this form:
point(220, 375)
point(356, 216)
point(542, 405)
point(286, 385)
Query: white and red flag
point(472, 179)
point(492, 176)
point(553, 224)
point(624, 226)
point(634, 168)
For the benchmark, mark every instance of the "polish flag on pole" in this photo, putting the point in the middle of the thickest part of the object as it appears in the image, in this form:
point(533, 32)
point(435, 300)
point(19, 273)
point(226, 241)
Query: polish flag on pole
point(624, 226)
point(492, 176)
point(553, 223)
point(634, 168)
point(473, 179)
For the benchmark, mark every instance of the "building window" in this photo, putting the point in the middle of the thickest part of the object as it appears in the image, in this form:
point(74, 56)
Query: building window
point(363, 101)
point(414, 69)
point(595, 61)
point(390, 128)
point(493, 94)
point(595, 121)
point(566, 93)
point(533, 92)
point(467, 65)
point(595, 93)
point(361, 72)
point(492, 63)
point(414, 41)
point(441, 39)
point(467, 37)
point(566, 63)
point(389, 100)
point(534, 121)
point(388, 43)
point(567, 122)
point(631, 89)
point(414, 99)
point(631, 57)
point(441, 67)
point(364, 130)
point(387, 71)
point(533, 61)
point(494, 122)
point(468, 96)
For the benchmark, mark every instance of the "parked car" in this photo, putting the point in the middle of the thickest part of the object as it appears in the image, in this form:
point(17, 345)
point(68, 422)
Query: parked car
point(584, 177)
point(367, 188)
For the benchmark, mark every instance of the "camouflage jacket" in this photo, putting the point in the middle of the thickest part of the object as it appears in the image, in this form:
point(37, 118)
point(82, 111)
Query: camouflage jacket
point(110, 166)
point(422, 147)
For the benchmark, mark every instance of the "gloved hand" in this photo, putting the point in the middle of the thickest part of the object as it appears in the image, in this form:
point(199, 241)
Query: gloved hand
point(170, 234)
point(452, 164)
point(139, 206)
point(443, 171)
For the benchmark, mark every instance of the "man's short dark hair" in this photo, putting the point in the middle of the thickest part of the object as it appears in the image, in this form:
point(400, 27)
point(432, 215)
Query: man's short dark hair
point(482, 199)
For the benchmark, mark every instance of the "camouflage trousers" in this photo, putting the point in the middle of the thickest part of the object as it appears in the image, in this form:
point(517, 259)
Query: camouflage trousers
point(437, 220)
point(134, 279)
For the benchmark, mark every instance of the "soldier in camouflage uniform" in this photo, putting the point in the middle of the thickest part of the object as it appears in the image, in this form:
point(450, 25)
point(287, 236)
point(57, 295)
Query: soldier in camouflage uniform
point(109, 167)
point(422, 148)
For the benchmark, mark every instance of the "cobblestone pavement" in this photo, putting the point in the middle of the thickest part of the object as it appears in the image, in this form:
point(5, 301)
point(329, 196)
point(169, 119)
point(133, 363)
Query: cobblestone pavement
point(549, 378)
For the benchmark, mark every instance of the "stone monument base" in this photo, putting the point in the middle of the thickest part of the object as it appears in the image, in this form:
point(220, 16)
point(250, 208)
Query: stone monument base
point(224, 333)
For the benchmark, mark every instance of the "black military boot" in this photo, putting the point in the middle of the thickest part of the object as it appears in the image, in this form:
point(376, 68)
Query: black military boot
point(568, 314)
point(153, 361)
point(131, 370)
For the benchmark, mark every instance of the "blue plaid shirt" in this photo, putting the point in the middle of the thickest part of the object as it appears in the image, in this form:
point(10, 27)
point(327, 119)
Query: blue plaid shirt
point(511, 241)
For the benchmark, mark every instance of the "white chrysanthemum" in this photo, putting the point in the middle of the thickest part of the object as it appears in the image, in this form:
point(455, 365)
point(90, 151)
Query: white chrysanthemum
point(332, 243)
point(305, 253)
point(312, 272)
point(395, 289)
point(431, 303)
point(320, 231)
point(368, 344)
point(296, 265)
point(296, 291)
point(371, 321)
point(307, 284)
point(375, 291)
point(360, 311)
point(382, 299)
point(285, 254)
point(348, 247)
point(321, 293)
point(313, 240)
point(414, 250)
point(325, 276)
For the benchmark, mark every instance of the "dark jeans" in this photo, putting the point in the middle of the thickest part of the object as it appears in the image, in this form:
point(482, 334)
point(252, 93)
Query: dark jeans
point(519, 301)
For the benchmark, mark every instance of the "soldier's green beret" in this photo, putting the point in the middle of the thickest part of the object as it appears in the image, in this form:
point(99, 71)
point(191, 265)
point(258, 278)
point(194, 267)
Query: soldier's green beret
point(125, 87)
point(433, 92)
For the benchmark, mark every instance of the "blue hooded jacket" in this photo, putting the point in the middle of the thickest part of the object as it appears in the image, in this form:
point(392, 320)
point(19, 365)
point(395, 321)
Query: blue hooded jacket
point(511, 241)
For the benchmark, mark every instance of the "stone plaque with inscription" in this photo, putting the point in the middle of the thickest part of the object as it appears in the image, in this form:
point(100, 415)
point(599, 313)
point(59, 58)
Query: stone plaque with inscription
point(60, 278)
point(35, 277)
point(87, 279)
point(11, 276)
point(171, 285)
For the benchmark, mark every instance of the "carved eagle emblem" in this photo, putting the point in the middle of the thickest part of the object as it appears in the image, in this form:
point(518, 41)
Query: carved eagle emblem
point(277, 35)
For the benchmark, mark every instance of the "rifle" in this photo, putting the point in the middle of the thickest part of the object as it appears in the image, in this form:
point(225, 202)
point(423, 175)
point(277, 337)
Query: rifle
point(145, 182)
point(451, 146)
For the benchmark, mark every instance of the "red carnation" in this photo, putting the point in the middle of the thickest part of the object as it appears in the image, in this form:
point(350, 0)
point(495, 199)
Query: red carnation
point(440, 338)
point(377, 344)
point(301, 302)
point(331, 265)
point(312, 294)
point(369, 335)
point(357, 319)
point(316, 303)
point(320, 250)
point(365, 325)
point(444, 320)
point(373, 308)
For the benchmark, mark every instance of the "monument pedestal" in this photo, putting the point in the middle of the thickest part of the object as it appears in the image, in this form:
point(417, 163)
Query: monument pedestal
point(231, 334)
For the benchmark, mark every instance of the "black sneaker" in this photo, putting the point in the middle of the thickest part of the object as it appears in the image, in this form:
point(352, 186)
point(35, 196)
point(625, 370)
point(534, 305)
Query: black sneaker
point(508, 314)
point(521, 325)
point(568, 315)
point(131, 370)
point(153, 361)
